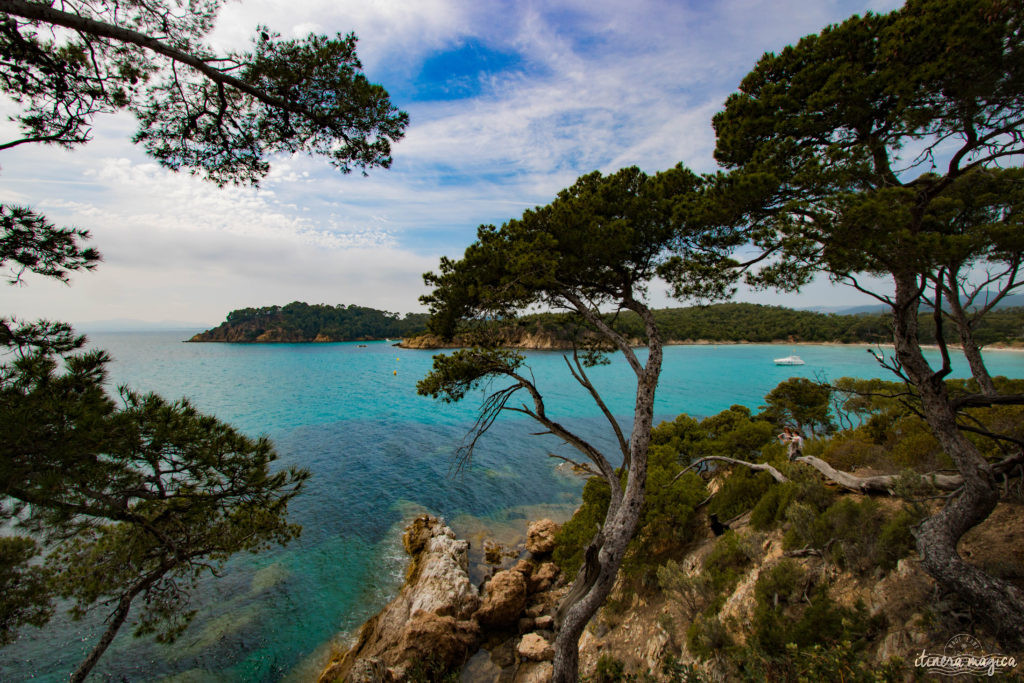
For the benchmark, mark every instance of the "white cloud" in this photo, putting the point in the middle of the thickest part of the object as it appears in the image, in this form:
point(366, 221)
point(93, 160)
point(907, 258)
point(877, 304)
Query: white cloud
point(600, 86)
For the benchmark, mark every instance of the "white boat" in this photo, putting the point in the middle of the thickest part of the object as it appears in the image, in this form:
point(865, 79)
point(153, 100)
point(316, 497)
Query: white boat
point(790, 360)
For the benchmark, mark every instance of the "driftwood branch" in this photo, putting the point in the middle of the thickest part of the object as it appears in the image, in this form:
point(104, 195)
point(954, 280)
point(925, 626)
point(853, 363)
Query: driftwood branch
point(757, 467)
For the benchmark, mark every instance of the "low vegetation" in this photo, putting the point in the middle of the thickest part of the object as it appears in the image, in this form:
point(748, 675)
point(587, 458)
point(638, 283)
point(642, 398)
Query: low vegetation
point(797, 628)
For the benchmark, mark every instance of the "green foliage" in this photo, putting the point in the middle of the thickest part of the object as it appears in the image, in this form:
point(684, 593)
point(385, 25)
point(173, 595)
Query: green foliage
point(743, 322)
point(25, 596)
point(724, 565)
point(693, 592)
point(791, 636)
point(576, 534)
point(597, 240)
point(224, 120)
point(771, 508)
point(857, 534)
point(305, 322)
point(740, 492)
point(29, 242)
point(802, 403)
point(135, 497)
point(665, 518)
point(608, 669)
point(707, 638)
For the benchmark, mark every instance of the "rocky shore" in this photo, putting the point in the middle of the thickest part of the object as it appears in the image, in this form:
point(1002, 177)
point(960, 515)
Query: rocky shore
point(440, 622)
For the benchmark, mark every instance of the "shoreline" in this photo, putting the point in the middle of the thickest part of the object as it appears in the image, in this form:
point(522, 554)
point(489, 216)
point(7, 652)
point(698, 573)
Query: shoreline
point(1015, 347)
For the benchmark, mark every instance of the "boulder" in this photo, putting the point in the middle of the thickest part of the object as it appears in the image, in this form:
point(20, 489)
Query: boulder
point(544, 576)
point(504, 599)
point(540, 537)
point(534, 672)
point(429, 623)
point(544, 622)
point(535, 648)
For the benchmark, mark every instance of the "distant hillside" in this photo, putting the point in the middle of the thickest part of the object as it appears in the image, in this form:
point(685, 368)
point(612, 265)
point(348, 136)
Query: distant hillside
point(302, 322)
point(1010, 301)
point(733, 322)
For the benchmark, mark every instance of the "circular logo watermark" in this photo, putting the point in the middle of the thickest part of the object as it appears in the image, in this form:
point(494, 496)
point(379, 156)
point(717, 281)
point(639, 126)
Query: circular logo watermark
point(964, 654)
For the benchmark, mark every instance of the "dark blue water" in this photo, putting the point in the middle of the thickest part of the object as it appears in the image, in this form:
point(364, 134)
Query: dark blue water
point(379, 454)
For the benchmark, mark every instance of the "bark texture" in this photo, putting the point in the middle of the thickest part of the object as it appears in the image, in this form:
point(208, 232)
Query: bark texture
point(1001, 603)
point(602, 561)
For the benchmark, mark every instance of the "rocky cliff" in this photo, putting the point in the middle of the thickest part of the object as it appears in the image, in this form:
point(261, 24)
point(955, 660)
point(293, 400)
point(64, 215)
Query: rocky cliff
point(258, 332)
point(655, 627)
point(439, 620)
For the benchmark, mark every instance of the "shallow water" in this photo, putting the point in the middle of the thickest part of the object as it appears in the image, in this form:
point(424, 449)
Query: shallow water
point(379, 455)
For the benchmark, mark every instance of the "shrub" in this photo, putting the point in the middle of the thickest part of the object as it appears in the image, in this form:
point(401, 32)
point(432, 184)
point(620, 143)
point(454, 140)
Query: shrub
point(576, 534)
point(724, 564)
point(706, 638)
point(693, 592)
point(740, 492)
point(856, 534)
point(771, 509)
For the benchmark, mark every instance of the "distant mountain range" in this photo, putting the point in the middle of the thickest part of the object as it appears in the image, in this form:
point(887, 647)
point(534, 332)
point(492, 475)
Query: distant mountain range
point(1011, 301)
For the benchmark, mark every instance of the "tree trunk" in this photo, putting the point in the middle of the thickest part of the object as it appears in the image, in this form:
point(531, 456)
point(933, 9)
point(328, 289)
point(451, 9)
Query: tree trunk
point(971, 350)
point(977, 364)
point(937, 537)
point(620, 524)
point(124, 605)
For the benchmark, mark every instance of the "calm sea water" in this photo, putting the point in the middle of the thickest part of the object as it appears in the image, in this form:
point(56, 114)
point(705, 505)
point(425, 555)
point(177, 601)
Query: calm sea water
point(379, 455)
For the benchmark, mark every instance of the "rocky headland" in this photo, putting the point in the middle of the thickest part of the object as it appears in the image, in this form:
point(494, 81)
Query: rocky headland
point(440, 626)
point(440, 621)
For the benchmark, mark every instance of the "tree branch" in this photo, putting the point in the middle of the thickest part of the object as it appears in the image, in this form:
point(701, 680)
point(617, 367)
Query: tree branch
point(38, 12)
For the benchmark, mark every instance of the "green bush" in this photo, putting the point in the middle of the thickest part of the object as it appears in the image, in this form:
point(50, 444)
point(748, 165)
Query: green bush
point(574, 536)
point(740, 492)
point(706, 638)
point(771, 509)
point(724, 565)
point(856, 534)
point(666, 517)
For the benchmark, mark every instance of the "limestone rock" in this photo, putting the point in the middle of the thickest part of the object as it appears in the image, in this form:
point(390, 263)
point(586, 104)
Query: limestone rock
point(544, 622)
point(535, 648)
point(505, 598)
point(534, 672)
point(540, 537)
point(429, 620)
point(544, 576)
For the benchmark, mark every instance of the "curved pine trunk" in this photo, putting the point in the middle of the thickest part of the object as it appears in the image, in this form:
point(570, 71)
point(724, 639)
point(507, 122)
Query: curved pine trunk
point(620, 523)
point(937, 537)
point(977, 364)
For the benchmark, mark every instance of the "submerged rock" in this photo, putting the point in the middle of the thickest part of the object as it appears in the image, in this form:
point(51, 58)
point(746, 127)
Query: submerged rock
point(428, 628)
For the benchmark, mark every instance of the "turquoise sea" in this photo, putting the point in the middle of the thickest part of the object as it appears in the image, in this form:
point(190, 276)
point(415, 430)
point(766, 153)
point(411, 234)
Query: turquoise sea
point(379, 454)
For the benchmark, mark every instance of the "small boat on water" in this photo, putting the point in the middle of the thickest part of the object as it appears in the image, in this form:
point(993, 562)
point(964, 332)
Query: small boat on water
point(790, 360)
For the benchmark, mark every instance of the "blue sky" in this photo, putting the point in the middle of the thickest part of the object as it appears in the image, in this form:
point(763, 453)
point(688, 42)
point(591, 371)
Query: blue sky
point(509, 102)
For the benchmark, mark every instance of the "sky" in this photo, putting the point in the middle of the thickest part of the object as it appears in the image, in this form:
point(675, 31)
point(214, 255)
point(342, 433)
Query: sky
point(509, 102)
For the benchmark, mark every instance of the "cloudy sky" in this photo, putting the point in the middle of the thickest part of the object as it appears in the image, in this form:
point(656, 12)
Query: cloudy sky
point(509, 102)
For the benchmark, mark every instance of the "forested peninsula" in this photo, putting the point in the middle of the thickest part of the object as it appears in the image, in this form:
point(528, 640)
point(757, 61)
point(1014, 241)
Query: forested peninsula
point(725, 323)
point(300, 322)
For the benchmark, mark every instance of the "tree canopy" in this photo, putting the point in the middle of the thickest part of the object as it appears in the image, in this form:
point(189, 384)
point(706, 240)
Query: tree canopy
point(874, 148)
point(300, 322)
point(107, 500)
point(220, 116)
point(592, 252)
point(114, 500)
